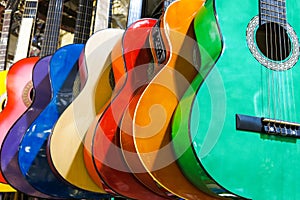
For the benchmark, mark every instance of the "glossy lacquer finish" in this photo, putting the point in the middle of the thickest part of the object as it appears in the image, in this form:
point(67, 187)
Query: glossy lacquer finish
point(210, 48)
point(66, 142)
point(115, 62)
point(32, 153)
point(10, 145)
point(107, 155)
point(158, 101)
point(260, 166)
point(19, 86)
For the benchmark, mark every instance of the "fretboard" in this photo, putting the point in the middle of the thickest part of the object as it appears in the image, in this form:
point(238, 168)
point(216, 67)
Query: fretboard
point(83, 21)
point(273, 11)
point(135, 11)
point(103, 14)
point(25, 33)
point(52, 27)
point(30, 9)
point(4, 38)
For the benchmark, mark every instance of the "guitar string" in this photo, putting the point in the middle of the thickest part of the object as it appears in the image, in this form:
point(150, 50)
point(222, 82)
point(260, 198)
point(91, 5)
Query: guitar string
point(293, 113)
point(287, 73)
point(275, 97)
point(278, 59)
point(293, 107)
point(269, 74)
point(55, 24)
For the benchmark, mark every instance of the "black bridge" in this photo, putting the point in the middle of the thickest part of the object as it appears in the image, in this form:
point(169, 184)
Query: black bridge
point(267, 126)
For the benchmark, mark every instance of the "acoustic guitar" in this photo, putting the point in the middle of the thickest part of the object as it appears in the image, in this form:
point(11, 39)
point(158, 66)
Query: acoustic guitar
point(63, 68)
point(137, 80)
point(130, 51)
point(20, 88)
point(38, 74)
point(65, 145)
point(109, 162)
point(19, 97)
point(154, 109)
point(243, 121)
point(10, 8)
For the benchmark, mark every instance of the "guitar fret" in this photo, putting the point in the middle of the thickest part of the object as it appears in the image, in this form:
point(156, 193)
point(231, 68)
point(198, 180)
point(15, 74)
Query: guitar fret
point(266, 19)
point(278, 16)
point(52, 28)
point(4, 37)
point(83, 21)
point(273, 11)
point(276, 4)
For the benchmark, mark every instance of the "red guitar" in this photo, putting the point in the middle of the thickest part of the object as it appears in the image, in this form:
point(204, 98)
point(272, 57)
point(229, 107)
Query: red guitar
point(19, 98)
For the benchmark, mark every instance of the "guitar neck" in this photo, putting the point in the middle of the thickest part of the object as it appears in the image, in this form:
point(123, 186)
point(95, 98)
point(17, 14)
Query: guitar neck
point(135, 11)
point(103, 15)
point(52, 27)
point(83, 21)
point(26, 29)
point(4, 38)
point(273, 11)
point(4, 41)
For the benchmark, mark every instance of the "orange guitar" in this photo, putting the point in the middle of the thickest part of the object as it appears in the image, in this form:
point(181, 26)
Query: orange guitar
point(154, 108)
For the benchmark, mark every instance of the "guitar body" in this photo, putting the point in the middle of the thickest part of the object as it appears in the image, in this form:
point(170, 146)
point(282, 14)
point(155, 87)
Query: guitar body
point(239, 105)
point(155, 107)
point(32, 152)
point(65, 144)
point(130, 154)
point(114, 65)
point(19, 98)
point(137, 80)
point(106, 152)
point(10, 145)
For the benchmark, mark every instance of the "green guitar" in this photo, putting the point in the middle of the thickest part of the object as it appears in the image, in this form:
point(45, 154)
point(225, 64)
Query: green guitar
point(236, 130)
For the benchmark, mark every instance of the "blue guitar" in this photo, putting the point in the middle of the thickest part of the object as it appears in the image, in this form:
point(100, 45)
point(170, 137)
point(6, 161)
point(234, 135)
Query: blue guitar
point(63, 69)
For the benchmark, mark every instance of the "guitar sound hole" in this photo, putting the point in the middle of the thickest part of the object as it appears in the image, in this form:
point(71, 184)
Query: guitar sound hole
point(273, 41)
point(31, 94)
point(3, 104)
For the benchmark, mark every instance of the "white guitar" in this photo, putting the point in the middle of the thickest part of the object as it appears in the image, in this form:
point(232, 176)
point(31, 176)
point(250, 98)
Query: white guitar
point(65, 142)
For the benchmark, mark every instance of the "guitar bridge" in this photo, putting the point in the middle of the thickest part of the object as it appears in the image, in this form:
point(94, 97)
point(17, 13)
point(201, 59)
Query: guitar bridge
point(267, 126)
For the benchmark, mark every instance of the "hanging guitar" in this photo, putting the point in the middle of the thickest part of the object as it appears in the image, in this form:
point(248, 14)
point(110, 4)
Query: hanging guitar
point(140, 28)
point(156, 104)
point(244, 115)
point(157, 55)
point(40, 80)
point(65, 146)
point(10, 8)
point(20, 94)
point(63, 68)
